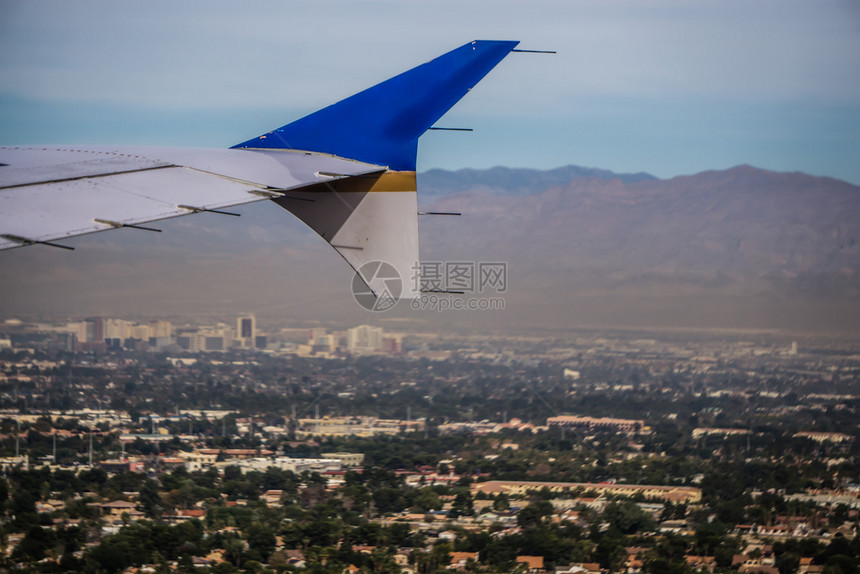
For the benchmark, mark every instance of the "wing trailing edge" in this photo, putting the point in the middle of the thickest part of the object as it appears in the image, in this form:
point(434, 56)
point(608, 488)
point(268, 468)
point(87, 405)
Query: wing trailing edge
point(54, 193)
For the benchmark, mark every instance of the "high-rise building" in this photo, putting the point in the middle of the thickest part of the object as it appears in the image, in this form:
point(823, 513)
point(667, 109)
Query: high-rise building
point(95, 330)
point(213, 343)
point(246, 330)
point(324, 344)
point(80, 331)
point(315, 334)
point(160, 329)
point(188, 341)
point(217, 338)
point(392, 344)
point(116, 329)
point(141, 332)
point(364, 339)
point(66, 341)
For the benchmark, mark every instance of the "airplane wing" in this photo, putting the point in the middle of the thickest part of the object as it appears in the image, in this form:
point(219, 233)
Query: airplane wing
point(52, 193)
point(347, 171)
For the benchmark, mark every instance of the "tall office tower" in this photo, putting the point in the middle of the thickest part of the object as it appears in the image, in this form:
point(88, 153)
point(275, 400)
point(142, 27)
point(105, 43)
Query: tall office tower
point(324, 344)
point(141, 332)
point(116, 329)
point(80, 331)
point(66, 341)
point(392, 344)
point(315, 334)
point(95, 330)
point(246, 330)
point(364, 339)
point(188, 339)
point(160, 329)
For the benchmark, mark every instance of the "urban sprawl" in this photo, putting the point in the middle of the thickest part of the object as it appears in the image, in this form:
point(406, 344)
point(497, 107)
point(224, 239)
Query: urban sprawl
point(160, 446)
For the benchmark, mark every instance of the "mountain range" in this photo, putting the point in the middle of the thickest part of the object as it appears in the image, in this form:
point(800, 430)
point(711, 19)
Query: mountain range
point(736, 248)
point(742, 246)
point(513, 181)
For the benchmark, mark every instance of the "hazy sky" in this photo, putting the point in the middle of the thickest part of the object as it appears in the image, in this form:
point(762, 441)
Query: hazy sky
point(667, 87)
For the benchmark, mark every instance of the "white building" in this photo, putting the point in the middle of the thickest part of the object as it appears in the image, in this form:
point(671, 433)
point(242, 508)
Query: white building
point(296, 465)
point(116, 329)
point(160, 329)
point(364, 339)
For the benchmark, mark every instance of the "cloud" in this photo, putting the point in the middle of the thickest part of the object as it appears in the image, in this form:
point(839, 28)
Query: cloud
point(223, 54)
point(215, 73)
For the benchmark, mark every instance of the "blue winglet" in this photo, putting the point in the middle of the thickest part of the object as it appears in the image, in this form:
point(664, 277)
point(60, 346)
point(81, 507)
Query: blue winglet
point(382, 124)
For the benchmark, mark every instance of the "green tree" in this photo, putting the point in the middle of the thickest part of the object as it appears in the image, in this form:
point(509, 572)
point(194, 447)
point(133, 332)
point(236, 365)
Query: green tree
point(35, 544)
point(787, 563)
point(149, 498)
point(462, 505)
point(627, 517)
point(535, 514)
point(261, 538)
point(4, 495)
point(389, 499)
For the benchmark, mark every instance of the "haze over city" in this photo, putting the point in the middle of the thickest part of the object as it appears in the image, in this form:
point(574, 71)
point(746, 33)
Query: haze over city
point(664, 89)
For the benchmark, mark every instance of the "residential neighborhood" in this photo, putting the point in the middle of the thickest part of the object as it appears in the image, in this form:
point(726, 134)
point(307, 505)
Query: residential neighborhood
point(664, 453)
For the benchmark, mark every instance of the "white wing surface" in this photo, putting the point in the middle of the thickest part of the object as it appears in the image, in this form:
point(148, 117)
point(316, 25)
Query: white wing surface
point(52, 193)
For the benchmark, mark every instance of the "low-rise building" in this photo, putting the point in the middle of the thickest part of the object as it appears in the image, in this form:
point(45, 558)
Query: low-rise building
point(824, 436)
point(460, 559)
point(597, 423)
point(706, 431)
point(347, 459)
point(685, 494)
point(296, 465)
point(533, 564)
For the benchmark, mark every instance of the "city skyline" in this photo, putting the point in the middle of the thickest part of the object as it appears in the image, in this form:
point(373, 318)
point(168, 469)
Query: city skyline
point(115, 334)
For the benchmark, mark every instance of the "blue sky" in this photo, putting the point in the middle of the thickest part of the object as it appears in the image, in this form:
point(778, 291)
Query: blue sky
point(666, 87)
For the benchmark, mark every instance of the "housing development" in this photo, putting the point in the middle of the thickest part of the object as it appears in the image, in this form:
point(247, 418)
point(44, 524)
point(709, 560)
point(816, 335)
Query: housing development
point(156, 446)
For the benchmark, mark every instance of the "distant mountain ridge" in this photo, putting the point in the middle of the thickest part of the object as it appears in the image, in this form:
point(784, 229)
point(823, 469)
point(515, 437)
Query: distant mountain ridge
point(741, 247)
point(743, 218)
point(743, 237)
point(512, 180)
